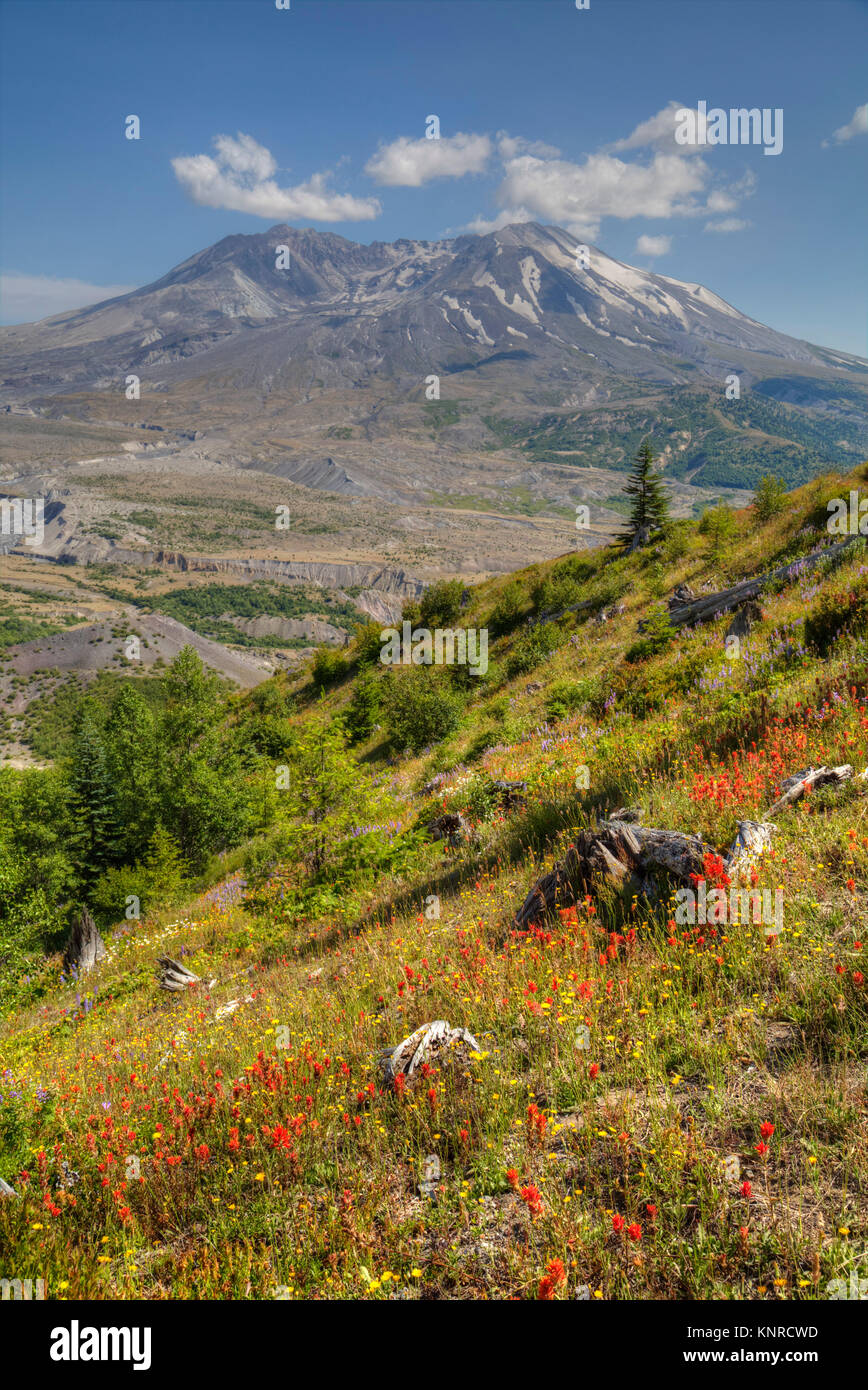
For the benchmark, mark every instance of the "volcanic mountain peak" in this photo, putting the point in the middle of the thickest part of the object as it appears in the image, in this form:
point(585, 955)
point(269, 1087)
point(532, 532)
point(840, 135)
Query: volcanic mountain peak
point(525, 293)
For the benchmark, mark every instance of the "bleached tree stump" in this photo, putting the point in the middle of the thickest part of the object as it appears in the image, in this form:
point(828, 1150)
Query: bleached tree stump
point(432, 1042)
point(85, 945)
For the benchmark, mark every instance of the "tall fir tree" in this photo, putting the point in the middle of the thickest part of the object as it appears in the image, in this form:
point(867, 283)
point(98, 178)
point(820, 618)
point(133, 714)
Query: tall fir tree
point(650, 506)
point(93, 801)
point(132, 760)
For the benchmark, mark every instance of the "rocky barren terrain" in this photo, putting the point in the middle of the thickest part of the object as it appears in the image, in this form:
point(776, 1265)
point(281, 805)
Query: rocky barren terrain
point(373, 417)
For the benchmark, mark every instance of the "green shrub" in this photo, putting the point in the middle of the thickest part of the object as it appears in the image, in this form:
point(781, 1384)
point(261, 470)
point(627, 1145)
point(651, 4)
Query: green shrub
point(508, 610)
point(329, 665)
point(841, 613)
point(488, 738)
point(555, 592)
point(718, 524)
point(657, 635)
point(498, 708)
point(481, 798)
point(419, 708)
point(676, 541)
point(566, 696)
point(364, 707)
point(440, 605)
point(770, 498)
point(367, 645)
point(531, 647)
point(108, 896)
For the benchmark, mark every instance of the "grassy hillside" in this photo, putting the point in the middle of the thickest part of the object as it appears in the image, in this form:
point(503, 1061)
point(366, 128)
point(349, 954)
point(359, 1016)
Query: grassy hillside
point(654, 1109)
point(711, 442)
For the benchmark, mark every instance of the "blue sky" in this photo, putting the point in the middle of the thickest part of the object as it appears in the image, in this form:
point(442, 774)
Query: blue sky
point(545, 111)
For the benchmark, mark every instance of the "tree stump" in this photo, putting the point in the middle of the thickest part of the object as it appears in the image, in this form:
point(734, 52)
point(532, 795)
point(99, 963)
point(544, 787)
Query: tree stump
point(85, 945)
point(451, 827)
point(615, 853)
point(744, 619)
point(432, 1042)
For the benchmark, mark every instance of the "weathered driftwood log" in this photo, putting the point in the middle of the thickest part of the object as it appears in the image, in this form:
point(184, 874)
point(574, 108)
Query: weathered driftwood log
point(174, 976)
point(613, 853)
point(177, 1041)
point(710, 606)
point(512, 795)
point(85, 945)
point(432, 1042)
point(226, 1010)
point(451, 827)
point(68, 1176)
point(794, 787)
point(551, 615)
point(752, 839)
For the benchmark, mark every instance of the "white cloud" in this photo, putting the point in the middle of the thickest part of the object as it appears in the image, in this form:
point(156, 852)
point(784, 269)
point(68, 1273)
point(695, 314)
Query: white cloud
point(240, 179)
point(658, 132)
point(727, 224)
point(482, 225)
point(579, 196)
point(245, 156)
point(26, 298)
point(654, 245)
point(407, 163)
point(857, 126)
point(720, 201)
point(538, 183)
point(508, 146)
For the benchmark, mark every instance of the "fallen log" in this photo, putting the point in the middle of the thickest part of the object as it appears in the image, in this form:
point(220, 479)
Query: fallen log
point(710, 606)
point(552, 614)
point(794, 787)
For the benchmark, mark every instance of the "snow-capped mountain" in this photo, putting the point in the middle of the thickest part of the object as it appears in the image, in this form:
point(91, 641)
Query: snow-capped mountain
point(296, 346)
point(396, 309)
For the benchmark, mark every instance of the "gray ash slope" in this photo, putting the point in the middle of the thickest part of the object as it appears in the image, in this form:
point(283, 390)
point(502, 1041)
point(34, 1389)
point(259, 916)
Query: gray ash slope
point(537, 354)
point(404, 308)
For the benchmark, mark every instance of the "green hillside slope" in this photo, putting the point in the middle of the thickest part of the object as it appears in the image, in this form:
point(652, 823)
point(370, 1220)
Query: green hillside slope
point(646, 1106)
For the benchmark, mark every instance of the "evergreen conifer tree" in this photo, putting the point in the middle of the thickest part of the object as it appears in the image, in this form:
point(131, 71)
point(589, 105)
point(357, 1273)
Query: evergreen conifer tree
point(92, 799)
point(650, 506)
